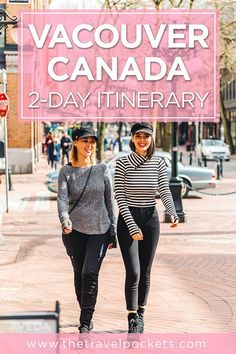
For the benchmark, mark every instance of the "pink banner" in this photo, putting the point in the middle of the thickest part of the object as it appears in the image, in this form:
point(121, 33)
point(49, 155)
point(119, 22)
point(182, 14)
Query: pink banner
point(117, 66)
point(118, 343)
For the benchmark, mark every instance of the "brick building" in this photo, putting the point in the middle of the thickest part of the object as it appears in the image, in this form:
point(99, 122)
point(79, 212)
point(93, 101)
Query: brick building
point(24, 139)
point(229, 96)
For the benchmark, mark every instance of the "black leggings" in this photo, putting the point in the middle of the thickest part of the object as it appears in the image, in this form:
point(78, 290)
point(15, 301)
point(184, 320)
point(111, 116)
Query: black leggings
point(86, 253)
point(138, 255)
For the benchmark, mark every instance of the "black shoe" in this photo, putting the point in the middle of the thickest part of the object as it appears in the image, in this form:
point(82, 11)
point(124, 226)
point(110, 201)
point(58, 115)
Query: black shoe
point(133, 323)
point(86, 328)
point(140, 319)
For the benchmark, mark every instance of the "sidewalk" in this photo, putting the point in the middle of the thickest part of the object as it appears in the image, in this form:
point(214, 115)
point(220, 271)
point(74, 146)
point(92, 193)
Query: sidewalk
point(193, 278)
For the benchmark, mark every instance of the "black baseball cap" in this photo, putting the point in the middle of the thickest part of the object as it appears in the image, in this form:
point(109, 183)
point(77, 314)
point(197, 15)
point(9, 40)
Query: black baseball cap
point(142, 128)
point(83, 133)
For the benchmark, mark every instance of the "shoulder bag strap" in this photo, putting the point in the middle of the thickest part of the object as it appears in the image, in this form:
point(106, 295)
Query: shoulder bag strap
point(90, 170)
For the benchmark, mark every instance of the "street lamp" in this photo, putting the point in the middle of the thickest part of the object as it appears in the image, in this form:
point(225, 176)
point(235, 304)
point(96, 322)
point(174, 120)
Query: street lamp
point(175, 181)
point(5, 21)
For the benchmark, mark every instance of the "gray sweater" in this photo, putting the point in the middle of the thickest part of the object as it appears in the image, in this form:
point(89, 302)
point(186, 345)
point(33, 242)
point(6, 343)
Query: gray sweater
point(95, 212)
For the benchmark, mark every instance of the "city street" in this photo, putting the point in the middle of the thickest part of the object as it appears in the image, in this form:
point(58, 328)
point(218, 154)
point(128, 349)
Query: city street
point(193, 285)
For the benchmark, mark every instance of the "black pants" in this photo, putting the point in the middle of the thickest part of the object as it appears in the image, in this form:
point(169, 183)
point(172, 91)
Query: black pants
point(86, 253)
point(65, 154)
point(138, 255)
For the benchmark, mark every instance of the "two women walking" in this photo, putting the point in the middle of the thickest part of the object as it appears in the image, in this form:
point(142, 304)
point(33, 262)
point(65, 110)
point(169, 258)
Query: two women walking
point(87, 216)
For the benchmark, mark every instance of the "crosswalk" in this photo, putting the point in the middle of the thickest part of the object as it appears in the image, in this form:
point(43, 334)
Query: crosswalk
point(42, 202)
point(18, 202)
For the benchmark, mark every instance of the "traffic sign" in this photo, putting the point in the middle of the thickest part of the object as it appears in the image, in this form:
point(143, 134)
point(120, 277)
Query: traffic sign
point(4, 104)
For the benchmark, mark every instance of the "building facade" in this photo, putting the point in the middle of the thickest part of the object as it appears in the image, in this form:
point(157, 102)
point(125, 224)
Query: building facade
point(229, 96)
point(24, 139)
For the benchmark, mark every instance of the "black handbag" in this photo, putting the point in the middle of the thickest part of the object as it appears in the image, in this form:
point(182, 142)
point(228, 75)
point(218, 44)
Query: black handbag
point(81, 194)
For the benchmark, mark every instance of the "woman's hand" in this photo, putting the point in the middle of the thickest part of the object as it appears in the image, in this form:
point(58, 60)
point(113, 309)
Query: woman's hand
point(67, 226)
point(67, 230)
point(138, 236)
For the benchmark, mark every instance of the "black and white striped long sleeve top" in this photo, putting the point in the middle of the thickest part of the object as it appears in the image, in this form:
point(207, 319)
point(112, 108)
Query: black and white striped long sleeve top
point(136, 182)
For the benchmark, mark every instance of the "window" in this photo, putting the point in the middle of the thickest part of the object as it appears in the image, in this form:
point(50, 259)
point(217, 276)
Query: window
point(18, 1)
point(227, 92)
point(2, 38)
point(2, 31)
point(231, 90)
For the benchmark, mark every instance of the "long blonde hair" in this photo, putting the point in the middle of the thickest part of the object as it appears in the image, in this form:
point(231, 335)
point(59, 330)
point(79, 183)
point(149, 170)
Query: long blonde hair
point(74, 154)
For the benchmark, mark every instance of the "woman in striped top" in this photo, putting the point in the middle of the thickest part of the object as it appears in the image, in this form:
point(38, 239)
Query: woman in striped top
point(137, 178)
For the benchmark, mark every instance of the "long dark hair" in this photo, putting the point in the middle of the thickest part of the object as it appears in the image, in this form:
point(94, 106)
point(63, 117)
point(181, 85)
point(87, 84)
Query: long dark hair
point(150, 150)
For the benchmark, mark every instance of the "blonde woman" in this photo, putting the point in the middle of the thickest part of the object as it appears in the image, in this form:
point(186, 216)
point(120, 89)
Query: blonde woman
point(86, 212)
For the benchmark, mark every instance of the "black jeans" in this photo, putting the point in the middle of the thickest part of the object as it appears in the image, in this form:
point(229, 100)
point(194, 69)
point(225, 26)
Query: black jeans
point(138, 255)
point(64, 154)
point(86, 253)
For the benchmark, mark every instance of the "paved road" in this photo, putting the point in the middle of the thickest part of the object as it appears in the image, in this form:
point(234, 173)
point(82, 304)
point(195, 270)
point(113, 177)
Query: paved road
point(193, 278)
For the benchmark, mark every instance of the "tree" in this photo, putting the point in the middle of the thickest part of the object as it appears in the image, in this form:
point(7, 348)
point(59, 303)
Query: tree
point(227, 61)
point(227, 56)
point(100, 144)
point(162, 130)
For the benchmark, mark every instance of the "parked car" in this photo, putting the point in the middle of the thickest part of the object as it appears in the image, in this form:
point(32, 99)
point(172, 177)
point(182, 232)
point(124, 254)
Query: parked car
point(51, 182)
point(125, 144)
point(211, 149)
point(191, 176)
